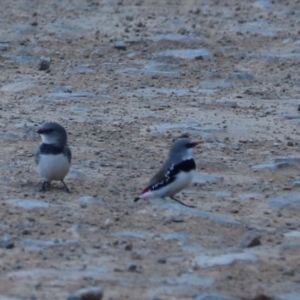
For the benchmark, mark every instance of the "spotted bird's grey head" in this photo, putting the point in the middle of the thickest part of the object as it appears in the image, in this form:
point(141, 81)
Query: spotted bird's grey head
point(53, 133)
point(182, 150)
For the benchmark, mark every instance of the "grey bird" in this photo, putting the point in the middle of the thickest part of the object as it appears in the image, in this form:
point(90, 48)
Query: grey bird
point(175, 174)
point(53, 156)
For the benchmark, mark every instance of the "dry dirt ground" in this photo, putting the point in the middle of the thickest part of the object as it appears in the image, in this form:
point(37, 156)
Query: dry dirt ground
point(126, 79)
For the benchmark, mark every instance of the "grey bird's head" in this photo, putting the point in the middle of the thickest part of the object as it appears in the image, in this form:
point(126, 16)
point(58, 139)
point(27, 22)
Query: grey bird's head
point(53, 133)
point(182, 150)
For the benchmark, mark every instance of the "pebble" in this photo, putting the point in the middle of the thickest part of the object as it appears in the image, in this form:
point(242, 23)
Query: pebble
point(250, 239)
point(7, 243)
point(162, 260)
point(214, 296)
point(288, 200)
point(120, 46)
point(206, 261)
point(90, 293)
point(186, 54)
point(44, 63)
point(215, 85)
point(176, 219)
point(240, 76)
point(28, 204)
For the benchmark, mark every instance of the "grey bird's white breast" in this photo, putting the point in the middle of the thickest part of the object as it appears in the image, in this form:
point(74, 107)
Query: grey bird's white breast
point(53, 166)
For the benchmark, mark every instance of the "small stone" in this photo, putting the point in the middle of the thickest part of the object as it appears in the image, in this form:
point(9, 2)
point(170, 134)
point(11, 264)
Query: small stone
point(298, 107)
point(240, 76)
point(120, 46)
point(7, 243)
point(250, 239)
point(289, 272)
point(162, 260)
point(132, 268)
point(91, 293)
point(26, 231)
point(290, 144)
point(176, 219)
point(44, 63)
point(263, 297)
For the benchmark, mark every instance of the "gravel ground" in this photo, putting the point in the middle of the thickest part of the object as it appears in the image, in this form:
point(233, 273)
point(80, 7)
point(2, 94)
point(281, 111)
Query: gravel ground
point(126, 79)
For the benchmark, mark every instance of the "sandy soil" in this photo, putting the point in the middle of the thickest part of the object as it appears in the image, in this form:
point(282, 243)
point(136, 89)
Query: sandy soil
point(123, 99)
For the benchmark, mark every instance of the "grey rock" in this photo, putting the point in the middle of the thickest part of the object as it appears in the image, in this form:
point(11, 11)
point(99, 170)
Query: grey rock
point(86, 199)
point(149, 72)
point(288, 160)
point(141, 234)
point(288, 200)
point(186, 54)
point(188, 279)
point(174, 206)
point(22, 55)
point(274, 166)
point(222, 194)
point(263, 4)
point(203, 178)
point(120, 46)
point(173, 37)
point(258, 30)
point(213, 75)
point(80, 70)
point(44, 63)
point(162, 260)
point(215, 85)
point(225, 259)
point(37, 244)
point(236, 147)
point(250, 196)
point(292, 234)
point(7, 243)
point(181, 236)
point(28, 204)
point(91, 293)
point(240, 76)
point(250, 239)
point(4, 46)
point(72, 95)
point(18, 86)
point(288, 296)
point(291, 116)
point(131, 267)
point(176, 219)
point(169, 126)
point(214, 296)
point(9, 136)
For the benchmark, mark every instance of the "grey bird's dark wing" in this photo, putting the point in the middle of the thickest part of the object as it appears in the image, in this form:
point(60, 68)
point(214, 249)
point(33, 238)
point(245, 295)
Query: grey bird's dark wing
point(37, 155)
point(160, 175)
point(67, 152)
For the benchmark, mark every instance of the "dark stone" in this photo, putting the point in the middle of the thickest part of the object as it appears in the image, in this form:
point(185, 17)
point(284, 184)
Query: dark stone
point(162, 260)
point(7, 243)
point(240, 76)
point(176, 219)
point(120, 46)
point(250, 239)
point(44, 63)
point(91, 293)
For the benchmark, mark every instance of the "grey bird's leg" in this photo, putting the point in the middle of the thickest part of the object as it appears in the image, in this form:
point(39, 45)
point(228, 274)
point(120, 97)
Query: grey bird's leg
point(191, 206)
point(66, 188)
point(43, 187)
